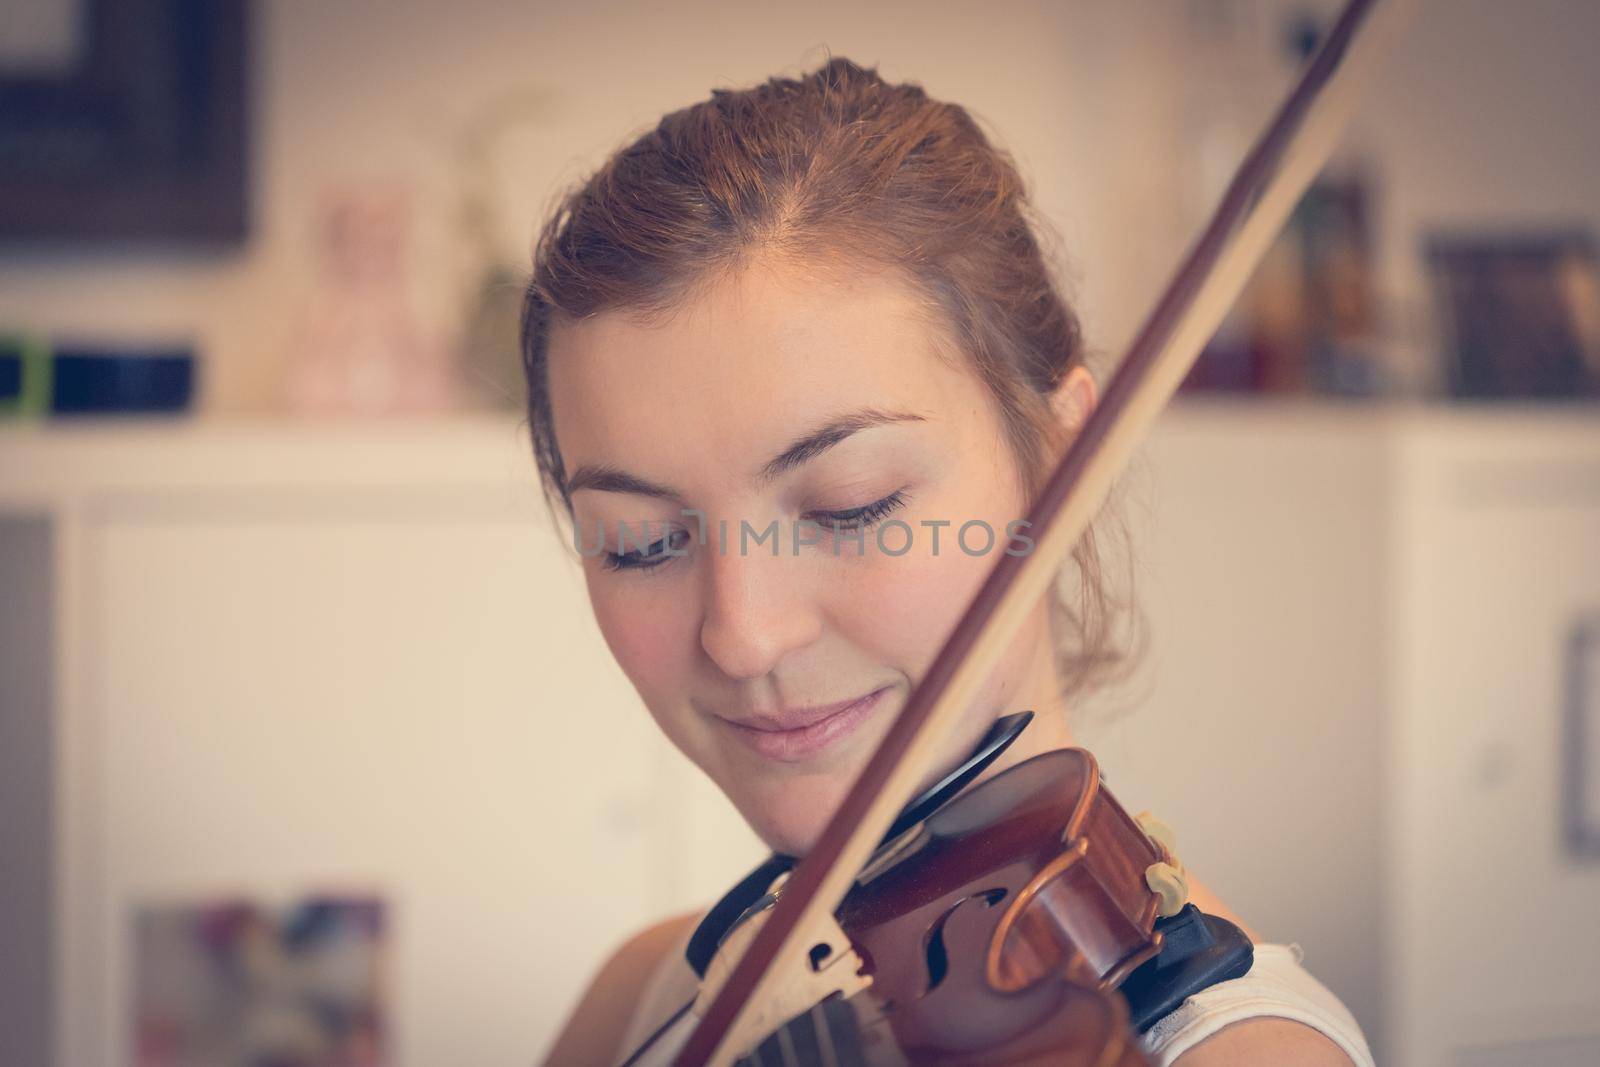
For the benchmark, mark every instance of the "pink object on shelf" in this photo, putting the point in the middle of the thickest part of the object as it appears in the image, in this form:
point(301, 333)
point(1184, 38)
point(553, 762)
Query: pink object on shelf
point(359, 349)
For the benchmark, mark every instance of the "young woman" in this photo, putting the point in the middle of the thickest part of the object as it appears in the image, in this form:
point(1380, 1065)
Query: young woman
point(795, 365)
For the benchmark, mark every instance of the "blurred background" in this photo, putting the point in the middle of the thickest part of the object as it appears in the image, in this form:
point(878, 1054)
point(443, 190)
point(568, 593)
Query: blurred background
point(310, 751)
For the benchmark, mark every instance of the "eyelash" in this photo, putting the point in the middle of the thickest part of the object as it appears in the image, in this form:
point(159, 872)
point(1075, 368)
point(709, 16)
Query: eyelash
point(646, 559)
point(864, 517)
point(852, 519)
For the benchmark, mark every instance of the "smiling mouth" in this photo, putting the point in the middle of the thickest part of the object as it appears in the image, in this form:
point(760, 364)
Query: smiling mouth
point(794, 736)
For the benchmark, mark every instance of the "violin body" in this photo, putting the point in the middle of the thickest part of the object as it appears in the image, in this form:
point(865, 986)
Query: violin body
point(995, 931)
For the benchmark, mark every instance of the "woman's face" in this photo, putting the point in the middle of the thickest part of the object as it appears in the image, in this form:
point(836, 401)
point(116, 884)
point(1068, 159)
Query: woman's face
point(775, 662)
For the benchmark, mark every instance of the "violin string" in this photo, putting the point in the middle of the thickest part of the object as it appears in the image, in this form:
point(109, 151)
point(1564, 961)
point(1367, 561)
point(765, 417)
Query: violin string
point(828, 1035)
point(844, 1027)
point(824, 1038)
point(786, 1045)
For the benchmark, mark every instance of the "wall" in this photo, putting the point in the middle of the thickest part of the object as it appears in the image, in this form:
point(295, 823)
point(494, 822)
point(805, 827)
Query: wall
point(1481, 116)
point(375, 91)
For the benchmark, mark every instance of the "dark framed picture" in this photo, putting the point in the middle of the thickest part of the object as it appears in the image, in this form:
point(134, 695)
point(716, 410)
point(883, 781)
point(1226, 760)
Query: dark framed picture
point(1520, 314)
point(134, 126)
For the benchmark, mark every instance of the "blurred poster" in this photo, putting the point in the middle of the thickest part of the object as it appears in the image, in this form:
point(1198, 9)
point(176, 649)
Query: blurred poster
point(240, 983)
point(1306, 322)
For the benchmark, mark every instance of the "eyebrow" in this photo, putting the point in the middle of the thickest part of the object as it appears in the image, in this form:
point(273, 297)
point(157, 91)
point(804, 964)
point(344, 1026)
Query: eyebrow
point(609, 479)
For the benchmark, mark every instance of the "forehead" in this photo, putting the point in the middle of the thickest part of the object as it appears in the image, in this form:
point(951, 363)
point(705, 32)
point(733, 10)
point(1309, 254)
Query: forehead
point(734, 372)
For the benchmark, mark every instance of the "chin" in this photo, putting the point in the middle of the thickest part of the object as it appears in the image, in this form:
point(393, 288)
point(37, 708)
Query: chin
point(791, 819)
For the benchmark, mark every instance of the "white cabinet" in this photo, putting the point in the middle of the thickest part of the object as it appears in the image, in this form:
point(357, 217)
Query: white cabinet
point(352, 659)
point(1496, 940)
point(317, 699)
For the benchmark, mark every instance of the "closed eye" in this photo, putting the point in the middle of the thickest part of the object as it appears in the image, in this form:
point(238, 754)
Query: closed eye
point(667, 548)
point(650, 556)
point(863, 517)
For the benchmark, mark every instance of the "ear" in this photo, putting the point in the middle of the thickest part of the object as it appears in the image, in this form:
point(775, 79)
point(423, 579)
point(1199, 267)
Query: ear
point(1074, 399)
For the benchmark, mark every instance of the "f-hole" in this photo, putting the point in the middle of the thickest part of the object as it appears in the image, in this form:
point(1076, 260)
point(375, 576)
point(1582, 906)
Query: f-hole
point(935, 954)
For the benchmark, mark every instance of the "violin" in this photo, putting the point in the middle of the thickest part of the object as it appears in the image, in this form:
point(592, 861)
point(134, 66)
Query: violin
point(1026, 918)
point(985, 877)
point(982, 873)
point(1033, 881)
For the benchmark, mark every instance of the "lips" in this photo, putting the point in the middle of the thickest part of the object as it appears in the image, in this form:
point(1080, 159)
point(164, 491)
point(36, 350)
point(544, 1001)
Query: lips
point(795, 734)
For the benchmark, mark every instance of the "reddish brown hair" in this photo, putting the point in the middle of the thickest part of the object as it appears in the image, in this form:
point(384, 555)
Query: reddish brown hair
point(832, 169)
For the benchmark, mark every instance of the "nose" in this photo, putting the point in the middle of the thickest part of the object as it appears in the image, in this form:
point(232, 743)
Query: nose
point(758, 608)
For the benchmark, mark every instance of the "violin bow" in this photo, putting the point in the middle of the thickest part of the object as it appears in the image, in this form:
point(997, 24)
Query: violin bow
point(1257, 203)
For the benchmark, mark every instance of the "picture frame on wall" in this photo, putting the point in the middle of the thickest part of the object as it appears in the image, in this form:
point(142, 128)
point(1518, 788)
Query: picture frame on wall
point(127, 122)
point(1519, 314)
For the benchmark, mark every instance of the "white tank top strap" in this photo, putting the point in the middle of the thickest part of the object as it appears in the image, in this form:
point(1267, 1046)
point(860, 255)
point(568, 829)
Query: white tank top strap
point(1276, 986)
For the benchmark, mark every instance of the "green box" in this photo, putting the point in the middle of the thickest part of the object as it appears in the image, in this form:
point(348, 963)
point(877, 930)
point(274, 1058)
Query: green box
point(29, 371)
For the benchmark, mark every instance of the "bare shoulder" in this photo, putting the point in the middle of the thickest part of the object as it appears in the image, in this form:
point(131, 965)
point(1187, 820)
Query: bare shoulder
point(1278, 1042)
point(603, 1012)
point(1263, 1040)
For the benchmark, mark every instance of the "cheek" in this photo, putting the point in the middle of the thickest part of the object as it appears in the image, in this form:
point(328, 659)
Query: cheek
point(645, 634)
point(905, 607)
